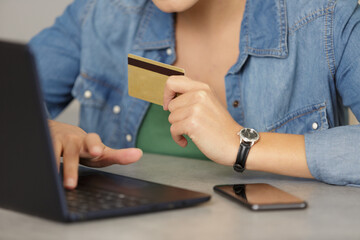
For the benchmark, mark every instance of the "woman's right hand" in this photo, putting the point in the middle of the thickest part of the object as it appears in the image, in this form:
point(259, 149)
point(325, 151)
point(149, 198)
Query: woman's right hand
point(75, 145)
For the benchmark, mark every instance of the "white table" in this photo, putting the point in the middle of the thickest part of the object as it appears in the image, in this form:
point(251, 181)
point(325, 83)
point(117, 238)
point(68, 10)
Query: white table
point(333, 212)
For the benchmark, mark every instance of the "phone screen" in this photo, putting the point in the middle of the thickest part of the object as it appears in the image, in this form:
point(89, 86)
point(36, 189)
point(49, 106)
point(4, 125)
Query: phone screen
point(261, 196)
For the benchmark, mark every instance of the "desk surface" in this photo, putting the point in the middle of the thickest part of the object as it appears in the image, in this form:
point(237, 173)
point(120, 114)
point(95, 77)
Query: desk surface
point(333, 212)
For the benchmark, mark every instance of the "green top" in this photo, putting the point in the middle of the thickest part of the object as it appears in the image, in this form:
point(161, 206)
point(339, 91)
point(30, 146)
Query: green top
point(154, 136)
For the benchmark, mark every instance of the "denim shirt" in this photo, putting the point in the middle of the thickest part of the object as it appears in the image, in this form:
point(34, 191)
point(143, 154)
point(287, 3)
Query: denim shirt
point(297, 72)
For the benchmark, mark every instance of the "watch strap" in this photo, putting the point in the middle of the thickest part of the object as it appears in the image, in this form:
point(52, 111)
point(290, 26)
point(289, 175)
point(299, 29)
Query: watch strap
point(241, 157)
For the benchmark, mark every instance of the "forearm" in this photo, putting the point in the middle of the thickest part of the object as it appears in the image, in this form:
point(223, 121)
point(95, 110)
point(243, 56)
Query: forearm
point(279, 153)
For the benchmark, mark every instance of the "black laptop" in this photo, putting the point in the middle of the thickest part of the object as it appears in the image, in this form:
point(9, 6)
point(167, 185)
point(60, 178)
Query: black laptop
point(29, 178)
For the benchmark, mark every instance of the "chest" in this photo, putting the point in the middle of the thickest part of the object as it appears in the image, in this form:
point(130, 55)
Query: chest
point(207, 59)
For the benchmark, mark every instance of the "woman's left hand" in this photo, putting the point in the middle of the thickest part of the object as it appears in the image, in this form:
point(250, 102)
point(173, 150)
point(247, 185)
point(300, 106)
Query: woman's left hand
point(197, 113)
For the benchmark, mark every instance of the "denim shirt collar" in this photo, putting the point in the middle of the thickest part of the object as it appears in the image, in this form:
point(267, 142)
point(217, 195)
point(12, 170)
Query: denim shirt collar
point(156, 29)
point(264, 30)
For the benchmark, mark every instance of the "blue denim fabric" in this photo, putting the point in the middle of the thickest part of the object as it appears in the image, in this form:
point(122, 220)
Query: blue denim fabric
point(297, 71)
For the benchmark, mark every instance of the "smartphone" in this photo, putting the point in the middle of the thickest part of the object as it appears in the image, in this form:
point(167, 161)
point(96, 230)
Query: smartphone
point(260, 196)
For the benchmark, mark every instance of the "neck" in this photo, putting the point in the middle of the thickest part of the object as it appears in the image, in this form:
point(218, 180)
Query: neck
point(212, 15)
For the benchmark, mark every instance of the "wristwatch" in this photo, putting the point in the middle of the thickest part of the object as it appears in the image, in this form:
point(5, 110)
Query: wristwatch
point(248, 137)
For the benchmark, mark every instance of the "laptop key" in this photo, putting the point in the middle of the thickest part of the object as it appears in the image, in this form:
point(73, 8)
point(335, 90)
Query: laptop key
point(84, 199)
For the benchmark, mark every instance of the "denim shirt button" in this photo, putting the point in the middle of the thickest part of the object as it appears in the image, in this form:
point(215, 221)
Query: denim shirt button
point(168, 51)
point(315, 125)
point(235, 103)
point(87, 94)
point(128, 137)
point(116, 109)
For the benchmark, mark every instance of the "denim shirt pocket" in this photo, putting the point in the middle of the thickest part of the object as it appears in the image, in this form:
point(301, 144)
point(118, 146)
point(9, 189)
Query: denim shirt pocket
point(99, 108)
point(307, 119)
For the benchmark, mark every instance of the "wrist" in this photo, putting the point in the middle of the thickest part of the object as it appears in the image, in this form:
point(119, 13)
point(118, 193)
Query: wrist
point(253, 156)
point(234, 147)
point(248, 138)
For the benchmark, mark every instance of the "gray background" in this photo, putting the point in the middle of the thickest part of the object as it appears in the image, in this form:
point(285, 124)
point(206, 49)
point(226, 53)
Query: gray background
point(20, 20)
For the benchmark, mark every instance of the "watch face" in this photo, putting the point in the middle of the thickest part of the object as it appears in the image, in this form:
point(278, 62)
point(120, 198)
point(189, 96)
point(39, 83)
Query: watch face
point(249, 135)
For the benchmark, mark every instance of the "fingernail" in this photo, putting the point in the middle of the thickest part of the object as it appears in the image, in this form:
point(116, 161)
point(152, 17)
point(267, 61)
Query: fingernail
point(70, 183)
point(96, 150)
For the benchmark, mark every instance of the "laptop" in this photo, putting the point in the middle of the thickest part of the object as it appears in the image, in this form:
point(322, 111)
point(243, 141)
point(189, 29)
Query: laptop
point(29, 179)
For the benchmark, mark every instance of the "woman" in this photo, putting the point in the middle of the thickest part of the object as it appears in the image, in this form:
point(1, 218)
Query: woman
point(286, 69)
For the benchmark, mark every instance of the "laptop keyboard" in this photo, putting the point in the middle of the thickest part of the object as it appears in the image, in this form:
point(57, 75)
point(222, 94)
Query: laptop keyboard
point(85, 199)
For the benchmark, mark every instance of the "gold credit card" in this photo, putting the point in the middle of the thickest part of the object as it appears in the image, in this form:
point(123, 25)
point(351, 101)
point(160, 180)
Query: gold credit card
point(147, 78)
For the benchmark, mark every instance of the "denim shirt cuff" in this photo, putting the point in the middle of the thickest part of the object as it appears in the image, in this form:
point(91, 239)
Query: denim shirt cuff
point(310, 158)
point(48, 116)
point(332, 155)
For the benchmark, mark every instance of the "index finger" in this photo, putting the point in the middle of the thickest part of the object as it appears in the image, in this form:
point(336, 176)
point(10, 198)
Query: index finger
point(71, 164)
point(178, 85)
